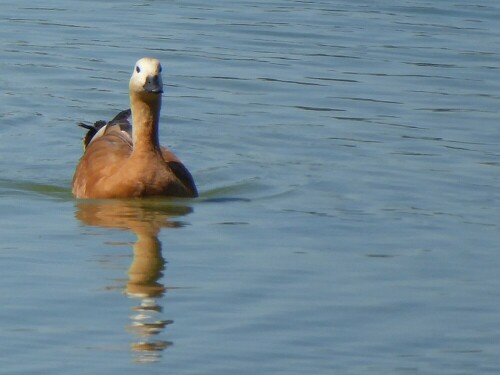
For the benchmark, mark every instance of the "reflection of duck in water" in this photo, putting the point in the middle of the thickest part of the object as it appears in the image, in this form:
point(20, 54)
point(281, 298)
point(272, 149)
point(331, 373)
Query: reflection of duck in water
point(145, 218)
point(143, 275)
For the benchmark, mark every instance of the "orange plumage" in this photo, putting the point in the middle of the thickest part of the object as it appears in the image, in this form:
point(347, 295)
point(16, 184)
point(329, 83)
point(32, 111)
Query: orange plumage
point(126, 160)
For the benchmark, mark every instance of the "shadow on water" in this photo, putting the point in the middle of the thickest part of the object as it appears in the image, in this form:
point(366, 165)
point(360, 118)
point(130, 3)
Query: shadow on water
point(12, 188)
point(145, 218)
point(247, 190)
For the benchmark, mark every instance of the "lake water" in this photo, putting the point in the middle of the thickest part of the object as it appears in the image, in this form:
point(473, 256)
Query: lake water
point(347, 156)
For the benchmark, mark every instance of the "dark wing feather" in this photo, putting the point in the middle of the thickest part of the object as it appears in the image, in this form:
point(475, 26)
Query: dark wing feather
point(92, 130)
point(121, 119)
point(182, 173)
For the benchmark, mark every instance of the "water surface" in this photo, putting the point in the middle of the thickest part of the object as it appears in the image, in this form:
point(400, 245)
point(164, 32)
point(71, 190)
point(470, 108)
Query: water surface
point(347, 158)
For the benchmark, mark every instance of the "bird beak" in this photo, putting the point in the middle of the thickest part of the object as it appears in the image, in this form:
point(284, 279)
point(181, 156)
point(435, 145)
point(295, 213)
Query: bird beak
point(154, 85)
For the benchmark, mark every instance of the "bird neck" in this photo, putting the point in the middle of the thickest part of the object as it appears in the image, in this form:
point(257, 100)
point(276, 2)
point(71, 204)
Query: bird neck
point(145, 120)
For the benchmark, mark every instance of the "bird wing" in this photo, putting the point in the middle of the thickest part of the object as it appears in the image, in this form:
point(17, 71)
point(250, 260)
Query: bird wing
point(121, 121)
point(106, 147)
point(179, 170)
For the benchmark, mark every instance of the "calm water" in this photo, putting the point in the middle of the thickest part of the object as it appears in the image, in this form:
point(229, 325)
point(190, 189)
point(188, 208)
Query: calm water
point(347, 154)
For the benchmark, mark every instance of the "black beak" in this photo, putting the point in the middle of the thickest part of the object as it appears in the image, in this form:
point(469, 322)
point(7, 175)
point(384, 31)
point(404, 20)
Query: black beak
point(154, 85)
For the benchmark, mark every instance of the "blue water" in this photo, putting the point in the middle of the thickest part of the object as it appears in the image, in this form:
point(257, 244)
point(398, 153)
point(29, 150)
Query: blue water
point(347, 157)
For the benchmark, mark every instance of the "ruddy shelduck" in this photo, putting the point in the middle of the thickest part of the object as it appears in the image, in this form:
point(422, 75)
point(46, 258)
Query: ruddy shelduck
point(123, 159)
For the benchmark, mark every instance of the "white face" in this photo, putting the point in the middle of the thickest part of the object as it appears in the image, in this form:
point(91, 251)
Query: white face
point(146, 77)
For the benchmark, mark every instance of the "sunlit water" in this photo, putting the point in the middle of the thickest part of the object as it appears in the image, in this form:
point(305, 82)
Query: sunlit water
point(348, 162)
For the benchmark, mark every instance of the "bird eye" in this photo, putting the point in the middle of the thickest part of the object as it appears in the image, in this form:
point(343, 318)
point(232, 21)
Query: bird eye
point(137, 69)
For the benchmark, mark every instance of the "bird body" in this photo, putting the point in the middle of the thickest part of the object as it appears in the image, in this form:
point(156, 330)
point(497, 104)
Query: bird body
point(123, 158)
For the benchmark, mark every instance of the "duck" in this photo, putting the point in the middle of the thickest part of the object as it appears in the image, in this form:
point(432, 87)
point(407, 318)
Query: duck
point(123, 157)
